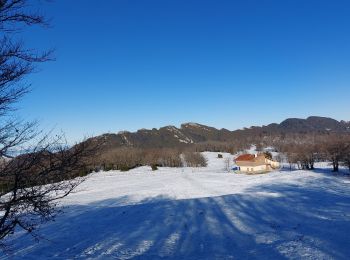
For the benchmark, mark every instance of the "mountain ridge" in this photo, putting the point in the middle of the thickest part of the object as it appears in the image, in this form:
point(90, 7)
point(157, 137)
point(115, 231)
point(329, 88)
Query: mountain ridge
point(193, 133)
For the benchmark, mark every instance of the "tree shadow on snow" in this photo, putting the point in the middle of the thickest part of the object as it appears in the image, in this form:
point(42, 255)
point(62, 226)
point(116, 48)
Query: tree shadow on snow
point(267, 222)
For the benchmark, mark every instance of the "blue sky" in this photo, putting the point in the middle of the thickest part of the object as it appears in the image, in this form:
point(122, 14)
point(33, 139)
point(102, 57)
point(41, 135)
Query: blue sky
point(132, 64)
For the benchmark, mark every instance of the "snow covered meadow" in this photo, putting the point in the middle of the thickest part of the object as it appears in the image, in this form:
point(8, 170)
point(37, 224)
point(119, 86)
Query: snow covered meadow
point(199, 213)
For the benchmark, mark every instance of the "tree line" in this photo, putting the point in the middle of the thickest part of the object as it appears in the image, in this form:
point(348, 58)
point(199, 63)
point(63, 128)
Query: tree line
point(126, 158)
point(303, 151)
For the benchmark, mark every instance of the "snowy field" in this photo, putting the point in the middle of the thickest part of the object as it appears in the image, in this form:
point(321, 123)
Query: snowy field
point(199, 213)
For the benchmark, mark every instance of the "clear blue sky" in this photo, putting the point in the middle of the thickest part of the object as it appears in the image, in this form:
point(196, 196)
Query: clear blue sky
point(142, 64)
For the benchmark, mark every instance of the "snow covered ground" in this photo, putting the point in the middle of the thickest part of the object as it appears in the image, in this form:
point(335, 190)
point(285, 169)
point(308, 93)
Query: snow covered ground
point(199, 213)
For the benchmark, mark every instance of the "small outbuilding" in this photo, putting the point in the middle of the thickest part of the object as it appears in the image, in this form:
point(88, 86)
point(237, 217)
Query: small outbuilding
point(255, 163)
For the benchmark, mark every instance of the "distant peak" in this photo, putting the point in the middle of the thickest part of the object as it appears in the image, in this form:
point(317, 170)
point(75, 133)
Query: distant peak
point(191, 124)
point(144, 130)
point(123, 132)
point(171, 127)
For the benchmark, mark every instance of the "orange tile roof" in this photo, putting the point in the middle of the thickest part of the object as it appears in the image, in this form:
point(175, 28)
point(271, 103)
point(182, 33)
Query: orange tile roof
point(245, 157)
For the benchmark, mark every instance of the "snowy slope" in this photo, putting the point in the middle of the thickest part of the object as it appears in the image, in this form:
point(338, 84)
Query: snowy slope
point(199, 213)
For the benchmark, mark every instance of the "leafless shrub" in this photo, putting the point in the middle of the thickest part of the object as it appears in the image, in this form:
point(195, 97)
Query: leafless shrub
point(170, 158)
point(124, 158)
point(195, 159)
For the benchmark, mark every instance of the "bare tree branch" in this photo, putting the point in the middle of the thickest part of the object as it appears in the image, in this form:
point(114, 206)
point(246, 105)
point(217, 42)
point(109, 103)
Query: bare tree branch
point(34, 172)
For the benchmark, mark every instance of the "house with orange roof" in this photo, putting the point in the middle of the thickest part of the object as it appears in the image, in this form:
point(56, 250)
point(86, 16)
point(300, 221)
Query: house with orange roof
point(255, 163)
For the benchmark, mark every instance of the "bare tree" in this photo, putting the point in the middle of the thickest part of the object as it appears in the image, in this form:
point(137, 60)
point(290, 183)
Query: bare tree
point(346, 156)
point(335, 147)
point(32, 183)
point(34, 173)
point(227, 162)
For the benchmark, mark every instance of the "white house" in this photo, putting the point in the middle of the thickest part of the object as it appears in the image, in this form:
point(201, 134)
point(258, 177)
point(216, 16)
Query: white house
point(255, 163)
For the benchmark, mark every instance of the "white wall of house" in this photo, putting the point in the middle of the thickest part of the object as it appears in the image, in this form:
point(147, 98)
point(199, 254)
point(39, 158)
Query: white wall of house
point(253, 168)
point(274, 164)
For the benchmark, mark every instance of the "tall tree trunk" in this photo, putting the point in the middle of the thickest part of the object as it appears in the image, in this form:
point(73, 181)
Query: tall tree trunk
point(335, 166)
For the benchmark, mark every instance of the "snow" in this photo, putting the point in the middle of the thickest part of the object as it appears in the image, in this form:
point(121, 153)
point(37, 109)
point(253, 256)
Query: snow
point(192, 124)
point(179, 133)
point(199, 213)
